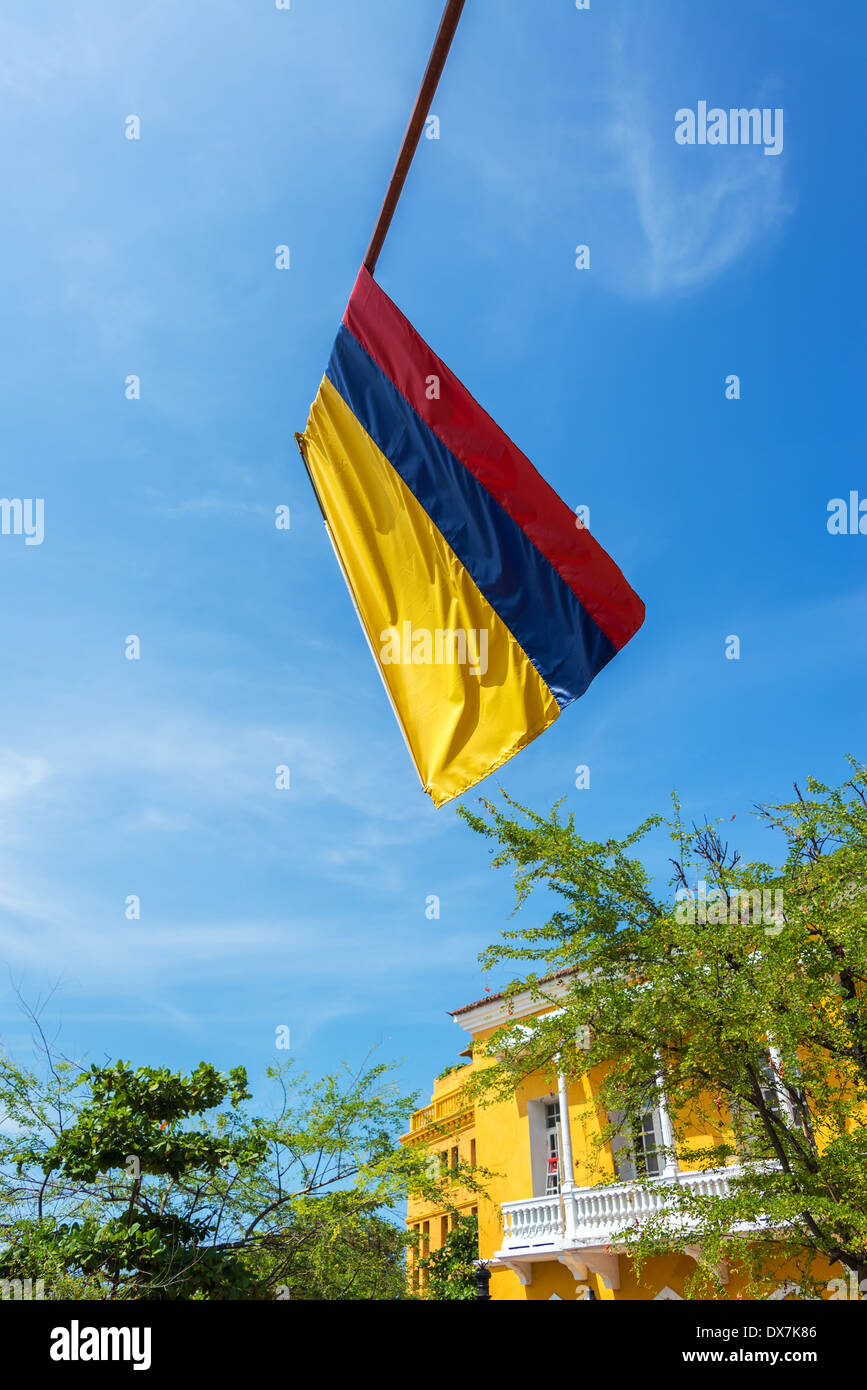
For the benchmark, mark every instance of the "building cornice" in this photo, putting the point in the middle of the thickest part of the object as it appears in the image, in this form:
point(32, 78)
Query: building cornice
point(493, 1012)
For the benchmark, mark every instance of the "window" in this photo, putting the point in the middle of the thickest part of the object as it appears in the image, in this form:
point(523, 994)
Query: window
point(444, 1229)
point(444, 1160)
point(768, 1087)
point(425, 1251)
point(637, 1148)
point(473, 1152)
point(785, 1105)
point(454, 1158)
point(797, 1101)
point(546, 1149)
point(413, 1256)
point(647, 1142)
point(552, 1147)
point(749, 1125)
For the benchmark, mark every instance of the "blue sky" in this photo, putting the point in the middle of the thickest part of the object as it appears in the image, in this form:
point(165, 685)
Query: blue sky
point(261, 127)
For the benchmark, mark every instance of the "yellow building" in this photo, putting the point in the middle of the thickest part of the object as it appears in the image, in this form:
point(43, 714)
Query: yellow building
point(550, 1225)
point(447, 1125)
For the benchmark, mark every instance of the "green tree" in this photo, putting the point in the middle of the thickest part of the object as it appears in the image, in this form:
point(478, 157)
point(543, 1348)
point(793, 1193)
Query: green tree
point(451, 1268)
point(122, 1183)
point(747, 1008)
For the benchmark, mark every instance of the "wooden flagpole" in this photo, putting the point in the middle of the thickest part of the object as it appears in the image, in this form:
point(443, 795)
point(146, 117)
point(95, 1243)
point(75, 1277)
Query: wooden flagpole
point(430, 81)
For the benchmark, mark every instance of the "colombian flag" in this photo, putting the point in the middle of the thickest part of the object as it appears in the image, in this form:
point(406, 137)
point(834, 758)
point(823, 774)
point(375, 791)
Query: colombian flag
point(486, 605)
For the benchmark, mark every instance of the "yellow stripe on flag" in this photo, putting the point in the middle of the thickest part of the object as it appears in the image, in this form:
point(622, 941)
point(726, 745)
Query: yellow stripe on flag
point(413, 596)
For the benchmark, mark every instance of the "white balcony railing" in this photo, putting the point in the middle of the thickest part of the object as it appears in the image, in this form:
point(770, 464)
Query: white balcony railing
point(538, 1222)
point(594, 1217)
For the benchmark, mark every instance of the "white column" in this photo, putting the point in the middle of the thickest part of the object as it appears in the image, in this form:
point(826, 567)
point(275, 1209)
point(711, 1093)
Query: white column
point(786, 1106)
point(567, 1175)
point(671, 1166)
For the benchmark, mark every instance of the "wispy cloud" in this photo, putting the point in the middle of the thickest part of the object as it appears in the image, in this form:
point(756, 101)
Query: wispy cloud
point(696, 212)
point(211, 779)
point(19, 773)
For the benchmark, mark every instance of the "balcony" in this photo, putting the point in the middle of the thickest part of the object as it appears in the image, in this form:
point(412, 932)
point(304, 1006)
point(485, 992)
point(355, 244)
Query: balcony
point(585, 1229)
point(451, 1111)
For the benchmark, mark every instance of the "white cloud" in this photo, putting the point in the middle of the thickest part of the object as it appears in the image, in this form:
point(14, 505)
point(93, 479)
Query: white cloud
point(696, 211)
point(19, 773)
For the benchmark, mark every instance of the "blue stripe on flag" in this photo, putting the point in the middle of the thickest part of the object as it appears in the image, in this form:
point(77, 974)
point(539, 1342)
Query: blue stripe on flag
point(520, 583)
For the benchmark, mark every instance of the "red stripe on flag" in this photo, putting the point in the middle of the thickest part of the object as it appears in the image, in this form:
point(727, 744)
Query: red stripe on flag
point(482, 447)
